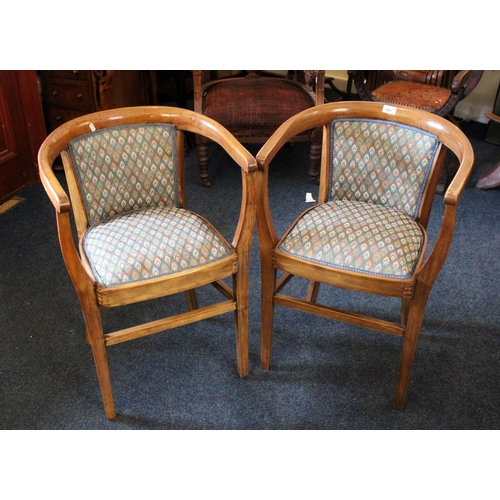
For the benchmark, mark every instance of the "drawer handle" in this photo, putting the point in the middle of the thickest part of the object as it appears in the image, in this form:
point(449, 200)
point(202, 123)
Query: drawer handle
point(54, 92)
point(79, 95)
point(58, 118)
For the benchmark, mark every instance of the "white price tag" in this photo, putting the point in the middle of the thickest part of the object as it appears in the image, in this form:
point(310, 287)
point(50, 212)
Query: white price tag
point(390, 110)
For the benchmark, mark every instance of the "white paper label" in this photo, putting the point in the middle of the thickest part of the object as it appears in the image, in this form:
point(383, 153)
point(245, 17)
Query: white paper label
point(390, 110)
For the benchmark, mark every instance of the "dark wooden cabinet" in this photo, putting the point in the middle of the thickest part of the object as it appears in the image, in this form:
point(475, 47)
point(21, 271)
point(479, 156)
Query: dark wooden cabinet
point(65, 94)
point(68, 94)
point(22, 130)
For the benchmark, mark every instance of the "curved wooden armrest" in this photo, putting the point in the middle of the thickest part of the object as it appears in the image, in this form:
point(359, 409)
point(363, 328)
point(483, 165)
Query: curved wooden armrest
point(457, 185)
point(53, 187)
point(234, 148)
point(284, 133)
point(460, 80)
point(459, 181)
point(439, 251)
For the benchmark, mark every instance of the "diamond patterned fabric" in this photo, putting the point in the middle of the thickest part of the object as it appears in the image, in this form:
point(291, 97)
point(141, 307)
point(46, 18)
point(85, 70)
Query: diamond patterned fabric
point(358, 236)
point(125, 168)
point(151, 243)
point(380, 162)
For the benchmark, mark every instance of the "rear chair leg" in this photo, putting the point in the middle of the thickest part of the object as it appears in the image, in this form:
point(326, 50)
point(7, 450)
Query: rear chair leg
point(191, 299)
point(241, 320)
point(312, 291)
point(268, 286)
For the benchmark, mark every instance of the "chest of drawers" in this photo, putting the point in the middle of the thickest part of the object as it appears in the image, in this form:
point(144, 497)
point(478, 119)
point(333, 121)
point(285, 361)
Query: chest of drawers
point(68, 94)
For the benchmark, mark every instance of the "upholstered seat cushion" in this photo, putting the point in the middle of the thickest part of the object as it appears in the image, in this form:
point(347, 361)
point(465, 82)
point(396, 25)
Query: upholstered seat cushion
point(417, 95)
point(151, 243)
point(357, 236)
point(255, 106)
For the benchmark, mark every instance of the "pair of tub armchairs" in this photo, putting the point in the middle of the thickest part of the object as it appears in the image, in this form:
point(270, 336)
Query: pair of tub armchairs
point(137, 240)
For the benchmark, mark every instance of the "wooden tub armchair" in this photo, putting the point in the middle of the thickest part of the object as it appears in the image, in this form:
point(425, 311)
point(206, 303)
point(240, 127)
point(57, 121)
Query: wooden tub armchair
point(136, 238)
point(367, 233)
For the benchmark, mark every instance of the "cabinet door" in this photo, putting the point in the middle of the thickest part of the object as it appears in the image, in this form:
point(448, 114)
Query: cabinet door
point(21, 131)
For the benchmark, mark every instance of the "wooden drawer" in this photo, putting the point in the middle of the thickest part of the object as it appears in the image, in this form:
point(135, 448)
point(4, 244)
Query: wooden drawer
point(58, 116)
point(81, 75)
point(68, 96)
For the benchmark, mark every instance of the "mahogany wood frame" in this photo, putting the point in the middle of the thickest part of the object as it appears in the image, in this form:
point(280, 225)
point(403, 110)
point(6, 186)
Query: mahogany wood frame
point(92, 296)
point(413, 292)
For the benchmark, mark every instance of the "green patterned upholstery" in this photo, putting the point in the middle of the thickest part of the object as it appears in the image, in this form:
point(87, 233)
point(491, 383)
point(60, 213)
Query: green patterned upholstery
point(151, 243)
point(357, 236)
point(380, 162)
point(378, 172)
point(128, 177)
point(125, 168)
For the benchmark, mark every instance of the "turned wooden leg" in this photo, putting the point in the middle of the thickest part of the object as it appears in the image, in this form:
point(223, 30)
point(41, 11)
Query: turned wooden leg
point(315, 157)
point(448, 171)
point(202, 150)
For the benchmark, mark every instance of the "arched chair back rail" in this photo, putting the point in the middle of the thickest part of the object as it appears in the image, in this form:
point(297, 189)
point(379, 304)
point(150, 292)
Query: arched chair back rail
point(367, 232)
point(137, 239)
point(253, 106)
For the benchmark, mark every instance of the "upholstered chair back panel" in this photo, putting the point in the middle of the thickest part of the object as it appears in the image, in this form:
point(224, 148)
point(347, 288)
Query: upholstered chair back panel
point(380, 162)
point(126, 168)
